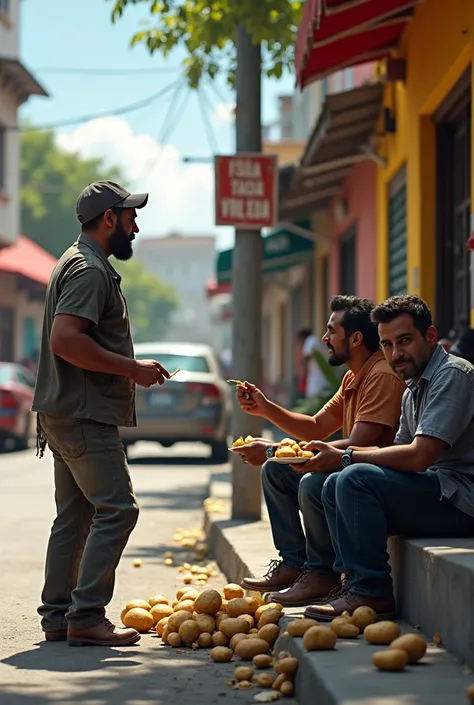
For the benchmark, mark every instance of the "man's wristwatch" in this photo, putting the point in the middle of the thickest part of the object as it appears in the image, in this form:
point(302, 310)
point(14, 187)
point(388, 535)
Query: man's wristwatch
point(270, 452)
point(346, 459)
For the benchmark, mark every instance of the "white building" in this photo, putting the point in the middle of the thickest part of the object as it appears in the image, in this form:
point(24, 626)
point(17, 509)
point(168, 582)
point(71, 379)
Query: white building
point(188, 264)
point(16, 86)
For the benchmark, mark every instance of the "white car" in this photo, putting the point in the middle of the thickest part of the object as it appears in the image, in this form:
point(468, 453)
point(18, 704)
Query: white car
point(194, 406)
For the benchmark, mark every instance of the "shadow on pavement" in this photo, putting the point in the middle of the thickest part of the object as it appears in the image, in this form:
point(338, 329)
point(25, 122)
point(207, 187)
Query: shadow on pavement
point(171, 501)
point(118, 677)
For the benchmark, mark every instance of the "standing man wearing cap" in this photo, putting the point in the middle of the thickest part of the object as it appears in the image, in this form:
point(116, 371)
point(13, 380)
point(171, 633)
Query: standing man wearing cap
point(85, 389)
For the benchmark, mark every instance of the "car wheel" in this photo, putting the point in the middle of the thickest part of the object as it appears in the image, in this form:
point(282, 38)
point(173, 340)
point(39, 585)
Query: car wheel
point(220, 453)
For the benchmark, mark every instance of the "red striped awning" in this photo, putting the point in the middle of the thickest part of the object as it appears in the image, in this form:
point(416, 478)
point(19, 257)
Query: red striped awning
point(334, 34)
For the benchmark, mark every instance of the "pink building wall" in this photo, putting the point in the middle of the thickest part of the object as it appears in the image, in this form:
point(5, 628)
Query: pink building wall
point(358, 191)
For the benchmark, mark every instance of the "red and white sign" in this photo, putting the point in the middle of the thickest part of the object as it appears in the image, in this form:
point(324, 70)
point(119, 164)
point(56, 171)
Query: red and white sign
point(247, 190)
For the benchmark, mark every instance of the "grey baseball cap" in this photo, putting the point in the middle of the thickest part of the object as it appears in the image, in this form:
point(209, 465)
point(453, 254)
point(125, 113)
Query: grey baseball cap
point(102, 195)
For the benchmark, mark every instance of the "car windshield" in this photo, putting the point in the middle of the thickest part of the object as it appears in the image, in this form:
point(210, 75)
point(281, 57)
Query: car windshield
point(186, 363)
point(6, 374)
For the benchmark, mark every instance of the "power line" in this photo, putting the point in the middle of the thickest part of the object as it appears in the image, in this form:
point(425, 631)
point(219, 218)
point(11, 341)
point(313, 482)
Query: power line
point(105, 72)
point(94, 116)
point(166, 131)
point(210, 134)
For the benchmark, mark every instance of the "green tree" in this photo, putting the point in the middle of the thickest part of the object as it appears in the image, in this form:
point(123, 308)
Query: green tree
point(51, 180)
point(150, 301)
point(207, 32)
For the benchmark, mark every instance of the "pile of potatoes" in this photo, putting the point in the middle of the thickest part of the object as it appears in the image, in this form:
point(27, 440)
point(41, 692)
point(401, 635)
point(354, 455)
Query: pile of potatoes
point(402, 650)
point(222, 621)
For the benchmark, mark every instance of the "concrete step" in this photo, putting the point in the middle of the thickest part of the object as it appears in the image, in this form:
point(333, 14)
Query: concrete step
point(434, 587)
point(346, 676)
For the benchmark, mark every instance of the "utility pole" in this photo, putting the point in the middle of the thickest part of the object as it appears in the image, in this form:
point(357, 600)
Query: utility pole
point(247, 282)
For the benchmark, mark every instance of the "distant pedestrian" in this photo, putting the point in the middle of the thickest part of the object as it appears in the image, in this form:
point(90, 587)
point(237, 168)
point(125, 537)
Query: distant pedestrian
point(85, 389)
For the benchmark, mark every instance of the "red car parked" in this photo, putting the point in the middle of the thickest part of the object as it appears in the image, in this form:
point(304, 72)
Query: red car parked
point(16, 395)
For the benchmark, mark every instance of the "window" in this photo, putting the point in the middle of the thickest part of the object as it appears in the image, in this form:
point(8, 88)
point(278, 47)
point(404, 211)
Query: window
point(338, 82)
point(347, 255)
point(3, 157)
point(4, 7)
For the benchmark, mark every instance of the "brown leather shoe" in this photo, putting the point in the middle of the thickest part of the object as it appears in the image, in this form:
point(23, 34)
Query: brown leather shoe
point(278, 577)
point(103, 634)
point(347, 601)
point(57, 635)
point(307, 589)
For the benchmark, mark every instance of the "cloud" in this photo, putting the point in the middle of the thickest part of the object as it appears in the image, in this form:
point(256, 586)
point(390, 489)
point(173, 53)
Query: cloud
point(181, 195)
point(224, 113)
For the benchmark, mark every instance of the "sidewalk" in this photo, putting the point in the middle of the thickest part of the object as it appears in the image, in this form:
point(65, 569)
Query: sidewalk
point(344, 676)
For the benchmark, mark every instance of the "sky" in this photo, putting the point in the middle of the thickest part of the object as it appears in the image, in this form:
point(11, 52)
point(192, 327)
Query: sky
point(149, 143)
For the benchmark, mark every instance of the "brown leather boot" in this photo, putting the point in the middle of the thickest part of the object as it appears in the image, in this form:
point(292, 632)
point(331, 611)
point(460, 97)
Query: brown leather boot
point(307, 589)
point(277, 577)
point(56, 635)
point(347, 601)
point(103, 634)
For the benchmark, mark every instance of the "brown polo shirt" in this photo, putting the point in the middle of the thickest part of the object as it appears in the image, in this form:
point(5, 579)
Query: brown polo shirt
point(373, 395)
point(85, 284)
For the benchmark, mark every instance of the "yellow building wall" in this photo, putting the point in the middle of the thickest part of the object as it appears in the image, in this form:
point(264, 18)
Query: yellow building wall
point(438, 48)
point(287, 151)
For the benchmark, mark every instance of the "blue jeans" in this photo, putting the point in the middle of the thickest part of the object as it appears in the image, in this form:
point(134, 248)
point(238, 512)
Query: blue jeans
point(349, 515)
point(365, 504)
point(287, 492)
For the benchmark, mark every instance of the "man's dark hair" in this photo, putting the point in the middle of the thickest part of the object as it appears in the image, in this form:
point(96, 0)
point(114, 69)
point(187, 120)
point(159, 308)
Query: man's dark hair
point(397, 306)
point(94, 223)
point(357, 318)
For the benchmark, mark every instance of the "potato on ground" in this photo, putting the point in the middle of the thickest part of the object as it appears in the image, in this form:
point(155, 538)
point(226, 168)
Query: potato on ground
point(390, 660)
point(205, 640)
point(186, 605)
point(236, 639)
point(262, 661)
point(176, 620)
point(189, 631)
point(221, 654)
point(272, 616)
point(287, 689)
point(267, 606)
point(234, 625)
point(219, 639)
point(143, 604)
point(158, 600)
point(248, 648)
point(159, 611)
point(363, 616)
point(205, 622)
point(382, 632)
point(208, 602)
point(413, 644)
point(237, 607)
point(265, 680)
point(298, 627)
point(288, 665)
point(174, 640)
point(319, 638)
point(139, 619)
point(343, 629)
point(279, 680)
point(243, 673)
point(232, 590)
point(270, 633)
point(161, 625)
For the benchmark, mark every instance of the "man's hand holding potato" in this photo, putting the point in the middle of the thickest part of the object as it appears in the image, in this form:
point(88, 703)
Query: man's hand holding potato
point(251, 399)
point(254, 453)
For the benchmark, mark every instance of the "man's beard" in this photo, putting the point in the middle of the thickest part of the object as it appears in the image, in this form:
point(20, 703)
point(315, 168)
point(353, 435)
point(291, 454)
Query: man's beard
point(338, 359)
point(120, 244)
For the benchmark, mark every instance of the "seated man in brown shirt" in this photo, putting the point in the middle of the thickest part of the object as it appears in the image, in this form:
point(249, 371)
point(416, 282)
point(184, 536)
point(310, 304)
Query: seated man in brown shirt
point(367, 407)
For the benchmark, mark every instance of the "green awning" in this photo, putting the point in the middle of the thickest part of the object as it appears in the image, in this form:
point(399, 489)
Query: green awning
point(280, 250)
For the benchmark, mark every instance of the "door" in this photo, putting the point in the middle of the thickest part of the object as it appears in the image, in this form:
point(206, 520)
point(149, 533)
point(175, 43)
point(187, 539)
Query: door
point(347, 261)
point(453, 152)
point(397, 234)
point(6, 334)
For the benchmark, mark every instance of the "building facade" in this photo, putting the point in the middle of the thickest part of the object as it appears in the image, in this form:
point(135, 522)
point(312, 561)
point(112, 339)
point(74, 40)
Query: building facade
point(187, 263)
point(16, 86)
